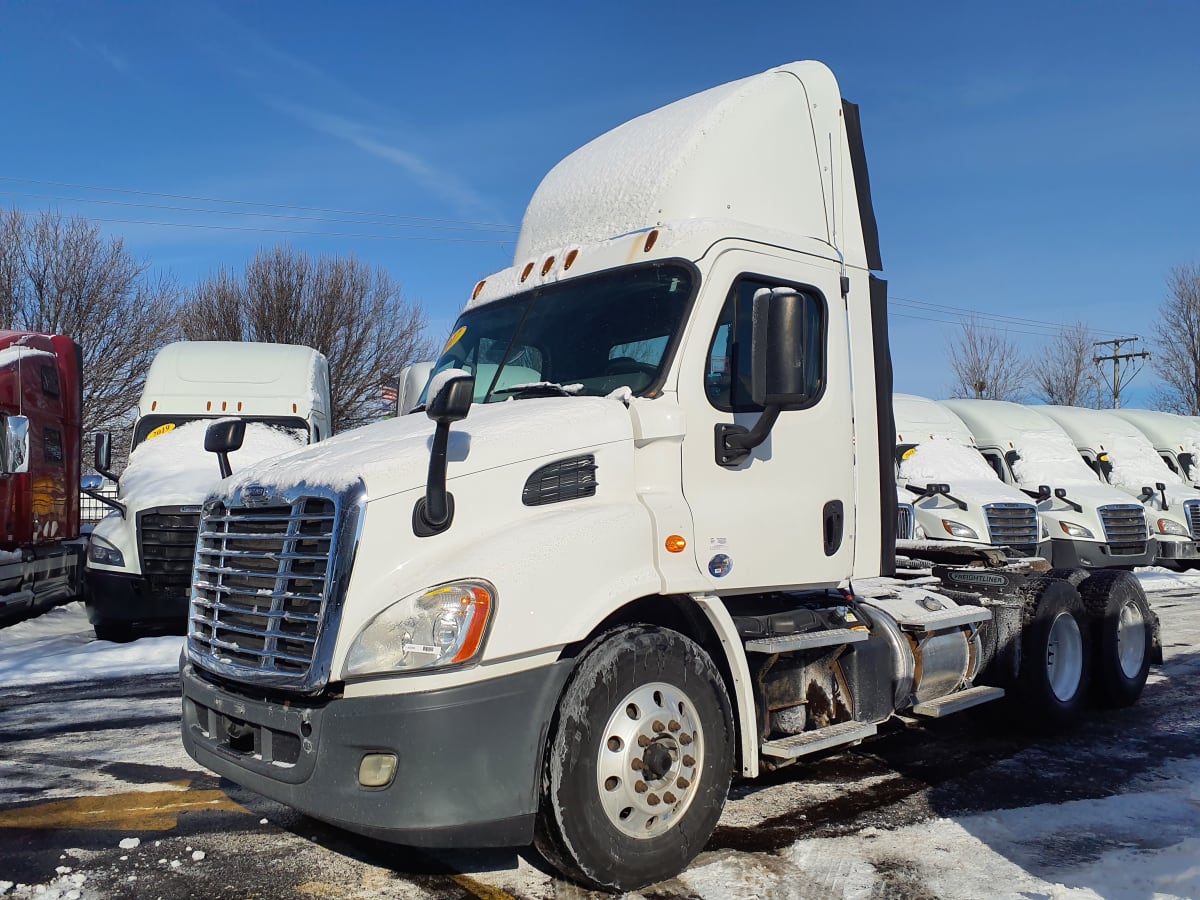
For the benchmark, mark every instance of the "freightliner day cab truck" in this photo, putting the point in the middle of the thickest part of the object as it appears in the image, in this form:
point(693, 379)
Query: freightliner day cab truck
point(626, 552)
point(1175, 438)
point(1125, 458)
point(956, 494)
point(1092, 524)
point(41, 556)
point(140, 556)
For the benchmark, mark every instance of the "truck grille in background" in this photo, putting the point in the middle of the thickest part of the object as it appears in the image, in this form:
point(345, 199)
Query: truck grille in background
point(904, 522)
point(1014, 525)
point(1191, 509)
point(262, 577)
point(1125, 528)
point(167, 547)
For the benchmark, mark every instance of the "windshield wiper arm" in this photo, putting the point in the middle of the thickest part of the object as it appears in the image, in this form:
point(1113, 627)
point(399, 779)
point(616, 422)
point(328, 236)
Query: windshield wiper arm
point(541, 389)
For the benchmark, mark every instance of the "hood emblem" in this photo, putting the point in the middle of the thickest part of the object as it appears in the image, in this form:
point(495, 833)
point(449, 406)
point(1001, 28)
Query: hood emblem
point(255, 495)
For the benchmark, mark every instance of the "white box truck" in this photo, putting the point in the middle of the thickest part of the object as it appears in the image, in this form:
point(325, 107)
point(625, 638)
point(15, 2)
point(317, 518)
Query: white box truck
point(1175, 437)
point(1092, 524)
point(624, 554)
point(139, 560)
point(1126, 459)
point(956, 494)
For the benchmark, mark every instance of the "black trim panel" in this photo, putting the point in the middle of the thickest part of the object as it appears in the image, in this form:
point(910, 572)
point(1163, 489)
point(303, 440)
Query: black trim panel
point(885, 424)
point(862, 185)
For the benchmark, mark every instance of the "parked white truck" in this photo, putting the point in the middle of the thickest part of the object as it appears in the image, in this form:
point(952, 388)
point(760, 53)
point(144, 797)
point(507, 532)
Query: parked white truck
point(956, 494)
point(1092, 524)
point(1175, 438)
point(139, 561)
point(611, 565)
point(1125, 458)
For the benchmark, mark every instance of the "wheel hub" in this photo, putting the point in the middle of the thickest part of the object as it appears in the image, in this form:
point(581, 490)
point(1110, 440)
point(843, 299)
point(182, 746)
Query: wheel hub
point(650, 759)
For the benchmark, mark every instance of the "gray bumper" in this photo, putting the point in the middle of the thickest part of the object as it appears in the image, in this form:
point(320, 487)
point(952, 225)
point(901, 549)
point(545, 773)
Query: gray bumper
point(1178, 551)
point(469, 757)
point(1097, 555)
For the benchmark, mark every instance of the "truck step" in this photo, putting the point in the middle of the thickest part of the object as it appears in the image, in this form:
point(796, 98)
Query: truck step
point(947, 618)
point(813, 741)
point(807, 640)
point(952, 703)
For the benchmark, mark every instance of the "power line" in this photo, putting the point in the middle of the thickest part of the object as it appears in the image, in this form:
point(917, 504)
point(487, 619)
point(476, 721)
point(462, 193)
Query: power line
point(1003, 328)
point(961, 313)
point(1119, 380)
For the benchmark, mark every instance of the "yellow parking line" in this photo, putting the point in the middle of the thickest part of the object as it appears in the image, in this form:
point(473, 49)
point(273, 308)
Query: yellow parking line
point(134, 810)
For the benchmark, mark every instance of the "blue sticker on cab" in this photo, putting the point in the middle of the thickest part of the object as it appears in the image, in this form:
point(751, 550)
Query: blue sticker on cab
point(720, 565)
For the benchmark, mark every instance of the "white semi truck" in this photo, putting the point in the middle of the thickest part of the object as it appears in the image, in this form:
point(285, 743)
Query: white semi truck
point(1126, 459)
point(1092, 524)
point(627, 551)
point(956, 494)
point(1176, 439)
point(139, 561)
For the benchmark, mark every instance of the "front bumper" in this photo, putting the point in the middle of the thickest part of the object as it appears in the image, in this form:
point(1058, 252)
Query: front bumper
point(131, 599)
point(1097, 555)
point(469, 757)
point(1178, 551)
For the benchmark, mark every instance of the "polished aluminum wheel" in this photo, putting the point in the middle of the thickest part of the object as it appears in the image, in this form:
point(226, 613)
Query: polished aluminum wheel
point(1064, 657)
point(1131, 639)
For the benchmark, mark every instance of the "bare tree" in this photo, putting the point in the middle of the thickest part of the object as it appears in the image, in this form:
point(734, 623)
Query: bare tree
point(338, 305)
point(60, 276)
point(1177, 335)
point(1066, 374)
point(987, 364)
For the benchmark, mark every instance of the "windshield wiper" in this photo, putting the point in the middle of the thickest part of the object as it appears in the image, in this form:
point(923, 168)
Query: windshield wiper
point(541, 389)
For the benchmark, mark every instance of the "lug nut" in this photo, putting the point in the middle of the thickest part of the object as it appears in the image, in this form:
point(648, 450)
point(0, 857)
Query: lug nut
point(637, 764)
point(668, 797)
point(653, 800)
point(685, 739)
point(641, 787)
point(673, 725)
point(688, 761)
point(643, 741)
point(658, 727)
point(681, 782)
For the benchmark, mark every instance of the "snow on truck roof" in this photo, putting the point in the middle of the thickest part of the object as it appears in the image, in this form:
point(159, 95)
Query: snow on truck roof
point(920, 418)
point(767, 156)
point(218, 370)
point(997, 423)
point(1165, 430)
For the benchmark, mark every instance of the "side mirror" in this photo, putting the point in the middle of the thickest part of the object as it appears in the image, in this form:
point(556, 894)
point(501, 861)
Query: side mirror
point(780, 349)
point(91, 483)
point(14, 445)
point(1044, 492)
point(223, 438)
point(450, 399)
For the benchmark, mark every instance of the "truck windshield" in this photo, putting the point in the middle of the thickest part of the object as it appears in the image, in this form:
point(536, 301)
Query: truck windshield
point(587, 336)
point(148, 426)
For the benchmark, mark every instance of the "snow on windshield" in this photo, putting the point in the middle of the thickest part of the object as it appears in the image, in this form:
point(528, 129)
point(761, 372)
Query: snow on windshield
point(175, 464)
point(944, 460)
point(1136, 464)
point(1050, 457)
point(15, 353)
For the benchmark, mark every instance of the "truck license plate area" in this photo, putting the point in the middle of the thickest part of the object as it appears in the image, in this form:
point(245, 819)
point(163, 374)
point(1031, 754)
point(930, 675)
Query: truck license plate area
point(241, 738)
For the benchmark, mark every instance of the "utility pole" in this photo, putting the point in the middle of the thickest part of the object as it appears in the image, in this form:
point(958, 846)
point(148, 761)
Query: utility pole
point(1116, 356)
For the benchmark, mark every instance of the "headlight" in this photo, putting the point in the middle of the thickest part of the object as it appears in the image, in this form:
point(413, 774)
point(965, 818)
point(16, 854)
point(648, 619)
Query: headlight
point(102, 552)
point(1168, 526)
point(443, 626)
point(1076, 531)
point(959, 530)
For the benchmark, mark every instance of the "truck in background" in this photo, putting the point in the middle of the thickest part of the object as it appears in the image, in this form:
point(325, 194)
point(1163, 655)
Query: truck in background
point(139, 560)
point(1092, 524)
point(41, 556)
point(627, 552)
point(956, 494)
point(412, 381)
point(1125, 458)
point(1175, 438)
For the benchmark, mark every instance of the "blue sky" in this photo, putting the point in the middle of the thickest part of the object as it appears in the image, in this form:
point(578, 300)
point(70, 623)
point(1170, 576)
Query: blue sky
point(1034, 160)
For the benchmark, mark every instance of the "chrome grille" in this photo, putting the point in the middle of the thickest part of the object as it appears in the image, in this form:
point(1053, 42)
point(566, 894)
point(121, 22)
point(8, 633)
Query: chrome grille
point(1013, 525)
point(1192, 509)
point(905, 522)
point(261, 581)
point(166, 547)
point(1125, 528)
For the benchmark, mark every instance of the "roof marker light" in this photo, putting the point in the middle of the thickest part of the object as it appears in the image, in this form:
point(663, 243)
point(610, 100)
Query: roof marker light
point(224, 406)
point(548, 264)
point(153, 406)
point(478, 289)
point(570, 260)
point(525, 272)
point(208, 406)
point(651, 238)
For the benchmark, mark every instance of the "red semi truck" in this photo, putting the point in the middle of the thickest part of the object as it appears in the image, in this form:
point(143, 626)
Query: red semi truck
point(41, 556)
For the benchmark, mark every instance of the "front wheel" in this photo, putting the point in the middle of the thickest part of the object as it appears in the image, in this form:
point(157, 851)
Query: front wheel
point(1122, 635)
point(639, 760)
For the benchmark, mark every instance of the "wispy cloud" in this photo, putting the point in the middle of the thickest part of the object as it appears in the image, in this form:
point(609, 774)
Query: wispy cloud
point(103, 52)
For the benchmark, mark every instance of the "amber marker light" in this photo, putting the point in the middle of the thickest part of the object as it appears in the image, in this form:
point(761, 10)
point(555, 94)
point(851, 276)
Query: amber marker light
point(548, 264)
point(478, 290)
point(676, 543)
point(651, 238)
point(526, 271)
point(570, 260)
point(481, 600)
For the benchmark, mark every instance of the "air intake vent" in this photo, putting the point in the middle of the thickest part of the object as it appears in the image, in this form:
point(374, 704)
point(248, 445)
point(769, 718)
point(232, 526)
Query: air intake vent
point(567, 479)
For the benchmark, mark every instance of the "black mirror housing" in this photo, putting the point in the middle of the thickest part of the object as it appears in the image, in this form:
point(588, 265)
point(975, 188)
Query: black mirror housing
point(453, 399)
point(222, 438)
point(103, 450)
point(779, 374)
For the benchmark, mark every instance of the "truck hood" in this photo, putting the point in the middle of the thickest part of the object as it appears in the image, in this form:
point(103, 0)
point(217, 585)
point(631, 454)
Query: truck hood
point(1091, 495)
point(977, 493)
point(393, 456)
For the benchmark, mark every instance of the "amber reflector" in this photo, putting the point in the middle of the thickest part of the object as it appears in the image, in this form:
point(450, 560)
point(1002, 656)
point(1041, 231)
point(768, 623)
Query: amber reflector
point(525, 272)
point(570, 260)
point(650, 239)
point(548, 264)
point(154, 406)
point(676, 544)
point(478, 288)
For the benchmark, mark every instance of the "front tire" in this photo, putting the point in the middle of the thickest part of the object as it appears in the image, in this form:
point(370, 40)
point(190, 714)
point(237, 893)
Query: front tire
point(1122, 636)
point(1055, 670)
point(639, 760)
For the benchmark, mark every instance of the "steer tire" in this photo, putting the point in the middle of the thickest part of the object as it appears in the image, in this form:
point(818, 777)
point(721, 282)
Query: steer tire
point(1075, 576)
point(1122, 633)
point(639, 760)
point(1052, 682)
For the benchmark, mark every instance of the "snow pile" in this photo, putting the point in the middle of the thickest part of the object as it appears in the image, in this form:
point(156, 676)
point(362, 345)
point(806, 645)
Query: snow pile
point(1050, 457)
point(1135, 463)
point(176, 464)
point(942, 460)
point(11, 355)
